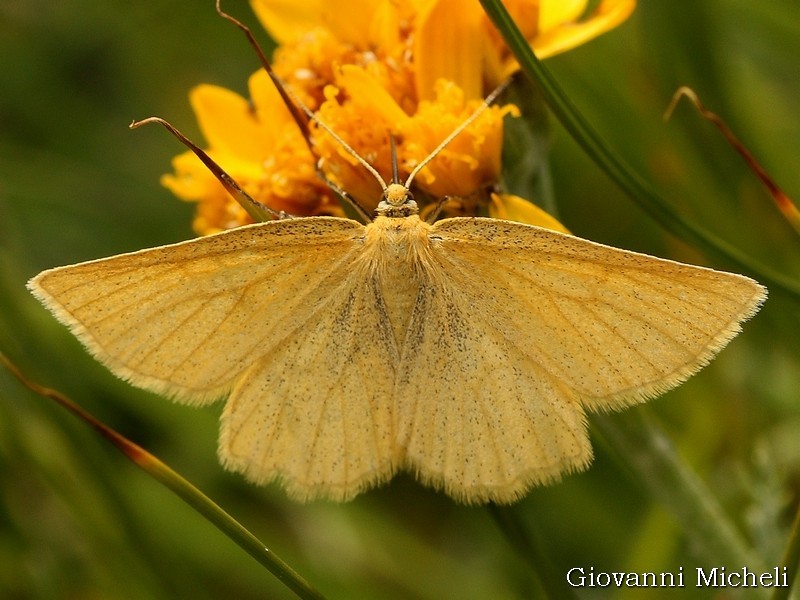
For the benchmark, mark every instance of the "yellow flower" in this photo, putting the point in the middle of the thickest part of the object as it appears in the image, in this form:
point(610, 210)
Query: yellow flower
point(514, 208)
point(464, 168)
point(450, 39)
point(412, 70)
point(555, 26)
point(471, 162)
point(260, 146)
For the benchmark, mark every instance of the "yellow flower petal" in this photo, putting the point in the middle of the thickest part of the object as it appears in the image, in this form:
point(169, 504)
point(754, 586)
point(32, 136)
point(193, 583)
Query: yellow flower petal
point(268, 107)
point(471, 161)
point(514, 208)
point(551, 27)
point(364, 117)
point(227, 121)
point(288, 20)
point(193, 182)
point(568, 34)
point(388, 21)
point(219, 214)
point(449, 44)
point(349, 20)
point(366, 90)
point(310, 64)
point(553, 14)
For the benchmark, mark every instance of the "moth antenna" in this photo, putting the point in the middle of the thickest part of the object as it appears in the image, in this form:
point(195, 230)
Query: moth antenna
point(259, 212)
point(395, 167)
point(302, 115)
point(297, 115)
point(486, 103)
point(320, 123)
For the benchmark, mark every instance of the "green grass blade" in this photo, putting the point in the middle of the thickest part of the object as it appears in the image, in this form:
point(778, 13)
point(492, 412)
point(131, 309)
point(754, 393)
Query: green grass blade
point(652, 460)
point(183, 489)
point(550, 580)
point(790, 560)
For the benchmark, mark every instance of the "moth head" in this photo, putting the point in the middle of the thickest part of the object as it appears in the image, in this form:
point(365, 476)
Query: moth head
point(397, 202)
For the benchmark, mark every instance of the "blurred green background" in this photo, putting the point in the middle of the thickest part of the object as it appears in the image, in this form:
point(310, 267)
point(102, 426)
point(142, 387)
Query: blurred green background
point(79, 521)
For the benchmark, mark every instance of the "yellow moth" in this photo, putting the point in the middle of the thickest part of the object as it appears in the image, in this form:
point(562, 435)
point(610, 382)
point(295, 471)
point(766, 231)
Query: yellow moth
point(466, 351)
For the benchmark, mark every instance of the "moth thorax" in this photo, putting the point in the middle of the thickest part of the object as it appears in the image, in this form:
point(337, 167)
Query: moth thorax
point(397, 202)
